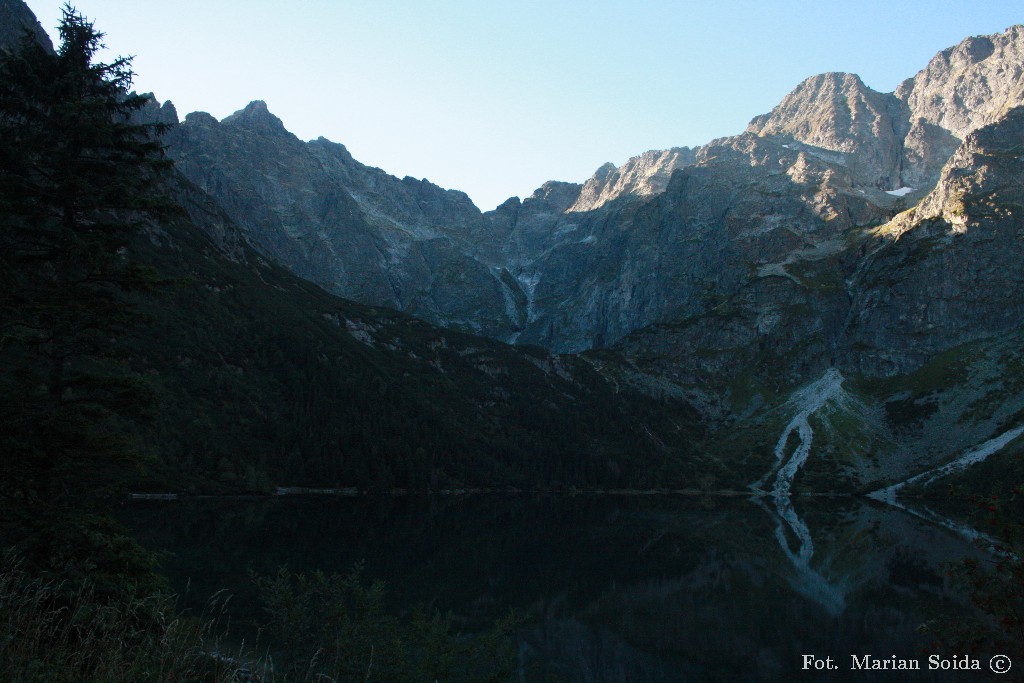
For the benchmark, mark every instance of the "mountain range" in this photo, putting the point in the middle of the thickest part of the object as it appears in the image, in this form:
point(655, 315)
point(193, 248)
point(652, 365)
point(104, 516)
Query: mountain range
point(841, 280)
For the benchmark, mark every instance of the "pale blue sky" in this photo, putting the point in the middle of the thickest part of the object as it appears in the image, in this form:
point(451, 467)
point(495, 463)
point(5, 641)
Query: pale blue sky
point(493, 98)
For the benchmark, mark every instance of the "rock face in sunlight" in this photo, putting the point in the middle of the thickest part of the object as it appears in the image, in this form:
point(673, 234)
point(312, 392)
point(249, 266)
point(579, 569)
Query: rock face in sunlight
point(963, 88)
point(730, 274)
point(875, 237)
point(840, 118)
point(903, 138)
point(641, 176)
point(770, 220)
point(948, 271)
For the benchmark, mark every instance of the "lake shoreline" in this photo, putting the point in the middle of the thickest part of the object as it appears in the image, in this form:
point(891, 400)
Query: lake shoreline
point(354, 492)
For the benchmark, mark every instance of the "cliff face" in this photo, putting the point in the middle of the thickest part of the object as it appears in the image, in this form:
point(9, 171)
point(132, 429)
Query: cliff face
point(15, 19)
point(903, 139)
point(665, 238)
point(641, 176)
point(847, 233)
point(947, 271)
point(746, 211)
point(962, 88)
point(842, 119)
point(635, 247)
point(762, 243)
point(354, 230)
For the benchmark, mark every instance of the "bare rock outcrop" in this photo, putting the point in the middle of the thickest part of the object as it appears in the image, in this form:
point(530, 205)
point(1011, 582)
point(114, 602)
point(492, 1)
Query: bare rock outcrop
point(15, 19)
point(836, 113)
point(902, 139)
point(355, 230)
point(641, 176)
point(947, 272)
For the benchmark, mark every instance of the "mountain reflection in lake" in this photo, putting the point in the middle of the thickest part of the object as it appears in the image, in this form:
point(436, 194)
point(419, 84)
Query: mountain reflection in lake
point(613, 588)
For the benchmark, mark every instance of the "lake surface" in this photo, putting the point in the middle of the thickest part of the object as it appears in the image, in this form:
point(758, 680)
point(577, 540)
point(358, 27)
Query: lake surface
point(612, 588)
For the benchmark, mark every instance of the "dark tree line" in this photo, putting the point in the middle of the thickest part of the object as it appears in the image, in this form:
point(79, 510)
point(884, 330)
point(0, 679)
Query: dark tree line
point(78, 177)
point(248, 384)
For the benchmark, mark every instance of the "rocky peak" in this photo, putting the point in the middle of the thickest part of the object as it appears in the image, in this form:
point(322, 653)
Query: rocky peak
point(200, 118)
point(888, 142)
point(336, 148)
point(946, 272)
point(640, 176)
point(258, 119)
point(962, 88)
point(561, 195)
point(903, 139)
point(605, 171)
point(15, 19)
point(154, 112)
point(979, 182)
point(969, 85)
point(834, 111)
point(511, 204)
point(844, 121)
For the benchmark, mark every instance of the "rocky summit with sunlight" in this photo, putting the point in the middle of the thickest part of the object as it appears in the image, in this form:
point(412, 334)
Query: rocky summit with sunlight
point(827, 304)
point(872, 233)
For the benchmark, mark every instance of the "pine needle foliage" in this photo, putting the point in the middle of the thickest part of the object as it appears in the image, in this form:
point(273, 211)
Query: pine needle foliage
point(79, 177)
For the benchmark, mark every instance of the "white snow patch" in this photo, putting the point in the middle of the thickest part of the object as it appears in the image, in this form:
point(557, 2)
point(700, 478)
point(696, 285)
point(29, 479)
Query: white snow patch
point(901, 192)
point(979, 454)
